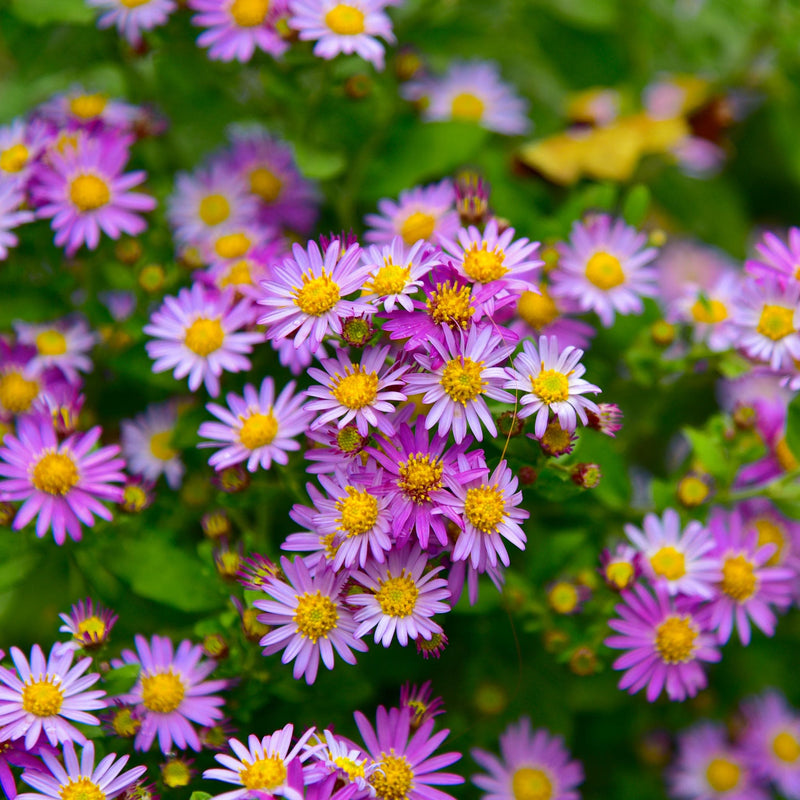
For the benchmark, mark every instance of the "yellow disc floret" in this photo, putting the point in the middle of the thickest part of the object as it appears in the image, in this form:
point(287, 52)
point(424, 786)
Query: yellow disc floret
point(266, 184)
point(484, 507)
point(538, 310)
point(358, 511)
point(316, 615)
point(214, 208)
point(88, 106)
point(17, 392)
point(249, 13)
point(51, 343)
point(484, 265)
point(709, 312)
point(265, 774)
point(88, 192)
point(239, 274)
point(55, 473)
point(786, 747)
point(82, 789)
point(258, 430)
point(668, 563)
point(14, 158)
point(466, 105)
point(394, 778)
point(451, 304)
point(391, 278)
point(161, 446)
point(345, 20)
point(232, 245)
point(461, 379)
point(563, 597)
point(675, 640)
point(353, 769)
point(620, 574)
point(317, 295)
point(738, 578)
point(162, 692)
point(397, 597)
point(43, 698)
point(204, 336)
point(92, 628)
point(416, 226)
point(551, 386)
point(529, 783)
point(419, 476)
point(723, 774)
point(124, 723)
point(356, 388)
point(770, 532)
point(776, 322)
point(604, 271)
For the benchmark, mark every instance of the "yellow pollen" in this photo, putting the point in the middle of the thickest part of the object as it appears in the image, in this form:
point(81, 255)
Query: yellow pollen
point(556, 439)
point(467, 106)
point(238, 275)
point(88, 192)
point(249, 13)
point(349, 439)
point(394, 778)
point(162, 692)
point(722, 774)
point(738, 579)
point(82, 789)
point(551, 386)
point(266, 184)
point(17, 393)
point(346, 20)
point(709, 312)
point(356, 389)
point(160, 446)
point(692, 491)
point(124, 723)
point(620, 574)
point(358, 511)
point(668, 563)
point(93, 626)
point(134, 3)
point(563, 597)
point(214, 208)
point(328, 542)
point(451, 304)
point(316, 296)
point(484, 507)
point(389, 279)
point(538, 310)
point(419, 476)
point(484, 266)
point(786, 458)
point(316, 616)
point(42, 698)
point(204, 336)
point(258, 430)
point(265, 774)
point(232, 245)
point(88, 106)
point(55, 473)
point(529, 783)
point(776, 322)
point(461, 380)
point(675, 639)
point(176, 773)
point(134, 498)
point(51, 343)
point(604, 271)
point(786, 747)
point(416, 226)
point(351, 768)
point(15, 158)
point(769, 532)
point(397, 597)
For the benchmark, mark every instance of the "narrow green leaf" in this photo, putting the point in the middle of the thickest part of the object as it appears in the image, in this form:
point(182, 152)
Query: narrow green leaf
point(636, 205)
point(121, 680)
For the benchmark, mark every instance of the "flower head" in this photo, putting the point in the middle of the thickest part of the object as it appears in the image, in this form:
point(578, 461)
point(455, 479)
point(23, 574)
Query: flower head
point(63, 344)
point(12, 215)
point(778, 258)
point(90, 626)
point(147, 444)
point(131, 17)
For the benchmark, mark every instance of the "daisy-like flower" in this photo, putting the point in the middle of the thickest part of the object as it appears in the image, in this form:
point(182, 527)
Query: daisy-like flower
point(307, 293)
point(63, 344)
point(131, 17)
point(11, 215)
point(665, 640)
point(19, 390)
point(621, 567)
point(772, 527)
point(351, 27)
point(197, 333)
point(43, 694)
point(334, 449)
point(84, 192)
point(256, 427)
point(236, 28)
point(309, 619)
point(171, 692)
point(79, 108)
point(401, 600)
point(338, 756)
point(678, 557)
point(604, 268)
point(532, 764)
point(90, 626)
point(61, 483)
point(21, 143)
point(709, 312)
point(474, 91)
point(551, 381)
point(424, 212)
point(147, 444)
point(779, 258)
point(14, 754)
point(456, 377)
point(80, 779)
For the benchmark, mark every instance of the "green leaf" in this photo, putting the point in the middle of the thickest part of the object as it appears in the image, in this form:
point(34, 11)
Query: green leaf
point(793, 427)
point(200, 796)
point(636, 205)
point(319, 164)
point(121, 680)
point(712, 454)
point(44, 12)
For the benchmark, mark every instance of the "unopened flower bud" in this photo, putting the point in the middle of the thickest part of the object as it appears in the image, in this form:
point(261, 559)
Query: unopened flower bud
point(587, 476)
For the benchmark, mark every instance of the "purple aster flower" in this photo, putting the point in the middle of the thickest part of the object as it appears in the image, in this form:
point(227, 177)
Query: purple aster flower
point(43, 694)
point(551, 381)
point(772, 527)
point(90, 626)
point(686, 264)
point(19, 389)
point(63, 344)
point(11, 215)
point(171, 692)
point(15, 754)
point(608, 420)
point(147, 444)
point(309, 619)
point(256, 427)
point(61, 483)
point(603, 267)
point(779, 259)
point(342, 758)
point(131, 17)
point(621, 567)
point(77, 108)
point(21, 144)
point(533, 764)
point(401, 600)
point(78, 779)
point(666, 640)
point(420, 702)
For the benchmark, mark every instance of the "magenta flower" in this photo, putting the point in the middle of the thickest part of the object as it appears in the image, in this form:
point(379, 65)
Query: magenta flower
point(339, 757)
point(63, 344)
point(419, 700)
point(147, 444)
point(779, 259)
point(338, 448)
point(131, 17)
point(90, 626)
point(15, 754)
point(12, 215)
point(621, 567)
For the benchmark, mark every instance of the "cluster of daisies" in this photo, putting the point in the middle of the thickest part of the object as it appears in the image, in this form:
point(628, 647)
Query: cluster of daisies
point(66, 163)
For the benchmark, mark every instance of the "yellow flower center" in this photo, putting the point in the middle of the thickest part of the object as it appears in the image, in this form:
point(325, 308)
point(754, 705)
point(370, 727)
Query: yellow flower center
point(315, 616)
point(358, 511)
point(538, 310)
point(786, 747)
point(258, 430)
point(451, 304)
point(89, 192)
point(669, 563)
point(345, 20)
point(776, 322)
point(416, 226)
point(786, 458)
point(692, 491)
point(51, 343)
point(620, 574)
point(769, 532)
point(93, 627)
point(394, 777)
point(17, 393)
point(419, 476)
point(55, 473)
point(355, 389)
point(551, 386)
point(88, 106)
point(316, 296)
point(204, 336)
point(214, 208)
point(124, 723)
point(467, 106)
point(461, 379)
point(389, 279)
point(162, 692)
point(134, 3)
point(134, 498)
point(484, 507)
point(42, 698)
point(82, 789)
point(483, 265)
point(176, 773)
point(252, 625)
point(531, 784)
point(351, 768)
point(722, 774)
point(397, 597)
point(160, 446)
point(14, 158)
point(556, 439)
point(266, 184)
point(238, 275)
point(675, 639)
point(738, 579)
point(265, 774)
point(563, 597)
point(709, 311)
point(249, 13)
point(349, 439)
point(604, 271)
point(232, 245)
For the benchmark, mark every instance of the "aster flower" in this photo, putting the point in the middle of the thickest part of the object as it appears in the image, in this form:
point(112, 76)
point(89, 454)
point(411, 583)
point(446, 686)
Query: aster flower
point(15, 754)
point(340, 757)
point(256, 427)
point(310, 619)
point(171, 692)
point(604, 268)
point(11, 215)
point(61, 483)
point(772, 527)
point(63, 344)
point(621, 568)
point(90, 626)
point(198, 334)
point(147, 444)
point(18, 388)
point(21, 143)
point(685, 264)
point(418, 700)
point(607, 420)
point(351, 27)
point(778, 258)
point(533, 764)
point(435, 646)
point(131, 17)
point(41, 695)
point(83, 109)
point(334, 448)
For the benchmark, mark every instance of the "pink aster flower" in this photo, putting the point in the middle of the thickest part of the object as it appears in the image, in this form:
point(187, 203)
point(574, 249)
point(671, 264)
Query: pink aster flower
point(77, 108)
point(131, 17)
point(351, 27)
point(421, 703)
point(621, 567)
point(198, 334)
point(11, 215)
point(604, 268)
point(309, 619)
point(684, 264)
point(256, 427)
point(89, 625)
point(15, 754)
point(21, 144)
point(19, 389)
point(171, 692)
point(61, 483)
point(147, 444)
point(42, 695)
point(666, 641)
point(84, 192)
point(772, 527)
point(532, 763)
point(63, 344)
point(778, 258)
point(335, 449)
point(341, 758)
